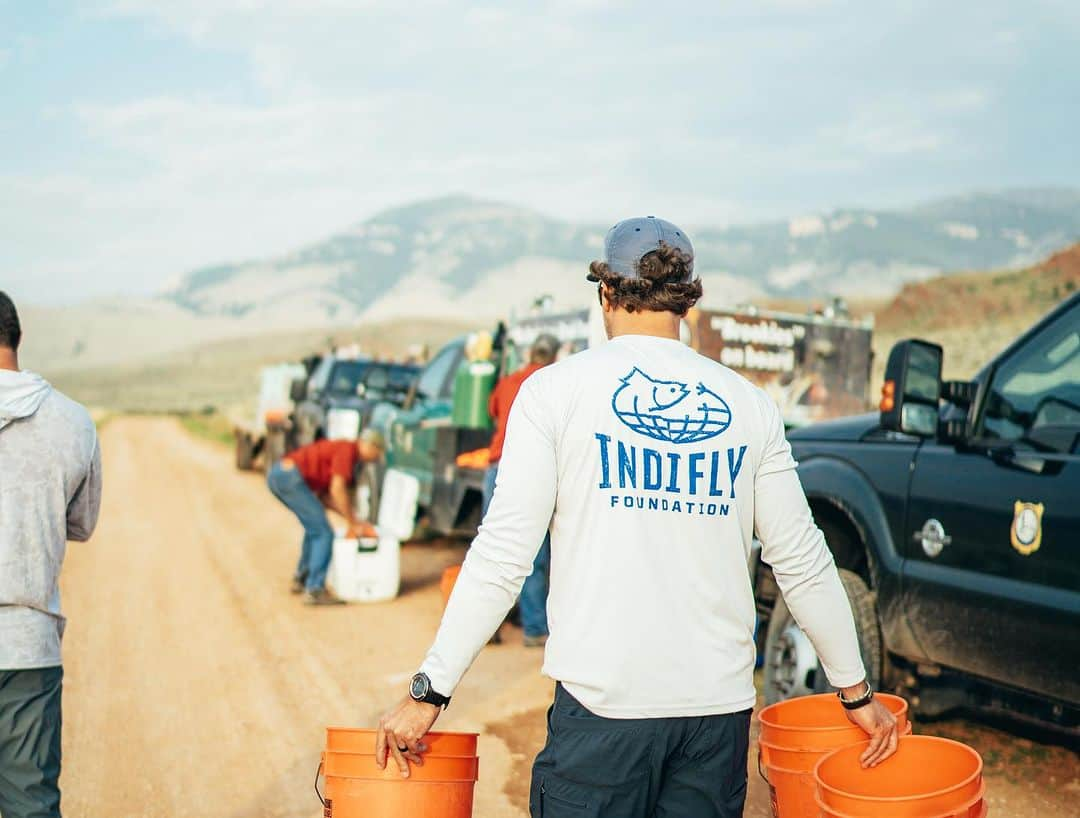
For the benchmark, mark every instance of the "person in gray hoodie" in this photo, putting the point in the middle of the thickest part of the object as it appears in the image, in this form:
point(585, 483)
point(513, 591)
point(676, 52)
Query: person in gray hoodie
point(50, 492)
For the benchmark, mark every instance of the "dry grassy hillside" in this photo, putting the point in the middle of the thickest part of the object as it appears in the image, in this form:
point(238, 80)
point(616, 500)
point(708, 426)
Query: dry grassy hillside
point(974, 315)
point(225, 374)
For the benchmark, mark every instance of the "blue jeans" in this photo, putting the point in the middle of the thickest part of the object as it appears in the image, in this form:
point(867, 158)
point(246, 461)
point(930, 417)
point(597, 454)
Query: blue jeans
point(533, 600)
point(289, 487)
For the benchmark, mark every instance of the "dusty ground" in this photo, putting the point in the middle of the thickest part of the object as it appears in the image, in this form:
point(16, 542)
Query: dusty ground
point(196, 686)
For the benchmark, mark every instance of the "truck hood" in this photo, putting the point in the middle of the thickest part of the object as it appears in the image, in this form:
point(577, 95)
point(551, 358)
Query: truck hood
point(851, 428)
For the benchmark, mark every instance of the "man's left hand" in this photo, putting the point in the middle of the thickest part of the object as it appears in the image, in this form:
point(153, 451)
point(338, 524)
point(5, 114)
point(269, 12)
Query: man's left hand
point(362, 531)
point(400, 733)
point(878, 722)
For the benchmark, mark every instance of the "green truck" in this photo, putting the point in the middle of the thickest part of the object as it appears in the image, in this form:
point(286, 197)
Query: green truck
point(424, 441)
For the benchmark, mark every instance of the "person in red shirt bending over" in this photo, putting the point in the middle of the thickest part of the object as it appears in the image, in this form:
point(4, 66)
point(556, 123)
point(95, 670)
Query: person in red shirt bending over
point(533, 600)
point(307, 479)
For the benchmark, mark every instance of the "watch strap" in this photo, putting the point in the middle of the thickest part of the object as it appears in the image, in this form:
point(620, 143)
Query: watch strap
point(436, 699)
point(861, 701)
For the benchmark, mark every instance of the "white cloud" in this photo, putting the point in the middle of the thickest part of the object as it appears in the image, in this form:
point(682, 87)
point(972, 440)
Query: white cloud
point(886, 128)
point(327, 111)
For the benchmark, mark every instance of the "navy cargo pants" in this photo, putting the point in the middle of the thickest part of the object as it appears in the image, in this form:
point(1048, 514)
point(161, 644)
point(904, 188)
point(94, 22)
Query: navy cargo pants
point(639, 768)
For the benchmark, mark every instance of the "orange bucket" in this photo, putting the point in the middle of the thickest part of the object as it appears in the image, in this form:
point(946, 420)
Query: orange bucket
point(446, 584)
point(795, 734)
point(976, 808)
point(927, 778)
point(356, 788)
point(362, 740)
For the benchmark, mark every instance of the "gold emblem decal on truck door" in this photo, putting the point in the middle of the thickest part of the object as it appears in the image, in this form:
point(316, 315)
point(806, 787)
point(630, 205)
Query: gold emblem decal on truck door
point(1026, 531)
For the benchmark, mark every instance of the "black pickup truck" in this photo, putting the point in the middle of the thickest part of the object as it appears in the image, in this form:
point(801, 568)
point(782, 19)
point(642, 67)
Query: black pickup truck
point(954, 516)
point(336, 400)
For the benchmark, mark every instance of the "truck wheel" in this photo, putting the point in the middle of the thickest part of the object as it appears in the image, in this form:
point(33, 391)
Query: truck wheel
point(245, 451)
point(791, 665)
point(274, 448)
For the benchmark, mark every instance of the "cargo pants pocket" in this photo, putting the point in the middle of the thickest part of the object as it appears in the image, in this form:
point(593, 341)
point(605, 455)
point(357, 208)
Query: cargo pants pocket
point(554, 798)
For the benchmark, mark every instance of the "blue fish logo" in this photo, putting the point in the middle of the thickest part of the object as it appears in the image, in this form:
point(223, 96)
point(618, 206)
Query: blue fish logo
point(669, 410)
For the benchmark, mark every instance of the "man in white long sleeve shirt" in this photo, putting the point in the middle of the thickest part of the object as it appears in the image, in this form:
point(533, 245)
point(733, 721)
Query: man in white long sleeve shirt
point(653, 467)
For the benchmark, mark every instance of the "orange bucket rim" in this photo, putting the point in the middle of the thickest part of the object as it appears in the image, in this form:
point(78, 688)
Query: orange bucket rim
point(971, 804)
point(325, 753)
point(894, 798)
point(362, 766)
point(775, 707)
point(820, 750)
point(907, 731)
point(374, 730)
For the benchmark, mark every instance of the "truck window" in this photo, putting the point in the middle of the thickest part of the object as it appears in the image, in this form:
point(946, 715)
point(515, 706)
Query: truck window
point(1035, 394)
point(317, 382)
point(383, 381)
point(346, 377)
point(434, 377)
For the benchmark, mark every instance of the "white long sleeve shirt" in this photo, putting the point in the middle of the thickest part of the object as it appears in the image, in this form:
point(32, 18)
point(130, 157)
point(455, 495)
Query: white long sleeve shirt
point(653, 467)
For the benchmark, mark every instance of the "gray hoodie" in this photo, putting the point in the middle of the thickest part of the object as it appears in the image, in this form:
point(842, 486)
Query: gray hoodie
point(50, 492)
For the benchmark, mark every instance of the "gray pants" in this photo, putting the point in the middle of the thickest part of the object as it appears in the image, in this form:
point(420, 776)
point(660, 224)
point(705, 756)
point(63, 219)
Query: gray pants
point(30, 742)
point(639, 768)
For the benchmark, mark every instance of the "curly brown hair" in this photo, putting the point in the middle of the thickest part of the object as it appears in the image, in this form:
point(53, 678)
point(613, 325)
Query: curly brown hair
point(665, 283)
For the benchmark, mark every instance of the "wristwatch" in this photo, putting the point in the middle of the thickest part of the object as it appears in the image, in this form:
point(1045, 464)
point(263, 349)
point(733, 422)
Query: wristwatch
point(861, 701)
point(420, 691)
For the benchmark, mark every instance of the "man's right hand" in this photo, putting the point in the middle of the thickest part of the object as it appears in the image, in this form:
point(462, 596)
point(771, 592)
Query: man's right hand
point(878, 722)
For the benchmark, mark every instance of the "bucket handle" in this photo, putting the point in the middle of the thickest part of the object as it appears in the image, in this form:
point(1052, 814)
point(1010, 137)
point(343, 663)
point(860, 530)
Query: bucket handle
point(318, 775)
point(760, 771)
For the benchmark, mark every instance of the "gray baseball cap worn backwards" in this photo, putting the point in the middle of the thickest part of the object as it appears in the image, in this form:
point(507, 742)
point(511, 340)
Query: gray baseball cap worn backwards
point(632, 239)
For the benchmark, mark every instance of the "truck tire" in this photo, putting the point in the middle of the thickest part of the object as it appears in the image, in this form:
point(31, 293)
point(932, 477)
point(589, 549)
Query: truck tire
point(245, 451)
point(791, 666)
point(274, 448)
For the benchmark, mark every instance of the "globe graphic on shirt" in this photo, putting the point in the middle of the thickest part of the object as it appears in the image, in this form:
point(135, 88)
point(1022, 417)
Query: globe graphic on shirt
point(669, 411)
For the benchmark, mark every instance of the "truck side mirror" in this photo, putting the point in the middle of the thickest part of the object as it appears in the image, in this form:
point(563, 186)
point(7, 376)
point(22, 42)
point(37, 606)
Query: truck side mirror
point(298, 390)
point(912, 390)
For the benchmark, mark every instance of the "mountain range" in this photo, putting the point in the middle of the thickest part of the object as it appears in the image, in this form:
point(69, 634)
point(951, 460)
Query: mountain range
point(461, 259)
point(459, 256)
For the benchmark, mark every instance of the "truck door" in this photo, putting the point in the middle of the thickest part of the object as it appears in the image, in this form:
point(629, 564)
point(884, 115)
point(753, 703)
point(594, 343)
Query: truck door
point(308, 416)
point(413, 431)
point(993, 527)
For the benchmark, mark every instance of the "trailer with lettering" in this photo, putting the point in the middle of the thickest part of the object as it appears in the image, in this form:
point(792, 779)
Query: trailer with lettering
point(816, 367)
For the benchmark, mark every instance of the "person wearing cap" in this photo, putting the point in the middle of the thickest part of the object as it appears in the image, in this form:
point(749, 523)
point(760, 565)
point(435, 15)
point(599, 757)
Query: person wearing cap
point(310, 477)
point(654, 468)
point(533, 599)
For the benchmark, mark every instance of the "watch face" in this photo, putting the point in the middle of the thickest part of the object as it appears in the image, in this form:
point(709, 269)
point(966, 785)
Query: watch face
point(419, 687)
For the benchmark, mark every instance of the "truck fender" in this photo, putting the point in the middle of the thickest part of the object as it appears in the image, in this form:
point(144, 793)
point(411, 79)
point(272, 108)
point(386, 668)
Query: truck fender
point(849, 492)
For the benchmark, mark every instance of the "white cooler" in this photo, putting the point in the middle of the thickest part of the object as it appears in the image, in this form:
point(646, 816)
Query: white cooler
point(365, 570)
point(370, 570)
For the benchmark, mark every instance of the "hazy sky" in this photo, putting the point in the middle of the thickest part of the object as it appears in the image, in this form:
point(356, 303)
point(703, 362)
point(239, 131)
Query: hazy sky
point(141, 138)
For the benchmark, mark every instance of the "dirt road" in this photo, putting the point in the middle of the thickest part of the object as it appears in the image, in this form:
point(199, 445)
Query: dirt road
point(196, 686)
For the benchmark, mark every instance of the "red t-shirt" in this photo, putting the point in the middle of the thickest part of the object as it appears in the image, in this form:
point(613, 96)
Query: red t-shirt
point(502, 398)
point(323, 459)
